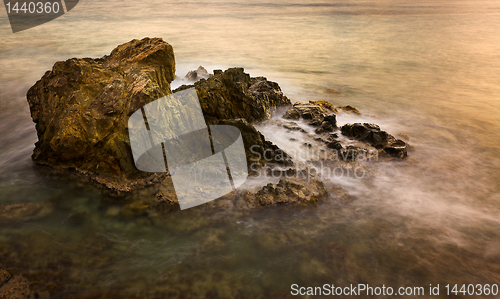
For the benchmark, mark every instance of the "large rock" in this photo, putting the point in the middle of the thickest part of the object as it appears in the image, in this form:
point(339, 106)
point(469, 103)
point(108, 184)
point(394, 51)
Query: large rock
point(82, 106)
point(81, 109)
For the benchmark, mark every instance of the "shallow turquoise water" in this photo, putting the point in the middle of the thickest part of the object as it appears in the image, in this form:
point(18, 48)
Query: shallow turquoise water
point(427, 69)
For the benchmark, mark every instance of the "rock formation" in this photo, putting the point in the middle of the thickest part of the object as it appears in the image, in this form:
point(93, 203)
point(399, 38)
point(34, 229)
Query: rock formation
point(81, 109)
point(234, 94)
point(82, 106)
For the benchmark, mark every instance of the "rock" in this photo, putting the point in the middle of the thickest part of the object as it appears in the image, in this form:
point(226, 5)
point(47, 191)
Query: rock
point(16, 287)
point(257, 148)
point(4, 276)
point(292, 113)
point(350, 109)
point(398, 149)
point(315, 113)
point(81, 109)
point(24, 212)
point(310, 112)
point(325, 126)
point(234, 94)
point(335, 109)
point(199, 73)
point(371, 134)
point(293, 126)
point(82, 106)
point(288, 191)
point(332, 119)
point(334, 144)
point(324, 104)
point(332, 90)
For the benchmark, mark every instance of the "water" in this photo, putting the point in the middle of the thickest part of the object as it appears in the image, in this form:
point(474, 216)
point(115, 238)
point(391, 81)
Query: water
point(429, 70)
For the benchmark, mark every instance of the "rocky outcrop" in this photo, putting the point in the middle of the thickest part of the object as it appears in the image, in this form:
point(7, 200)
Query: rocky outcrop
point(371, 134)
point(81, 109)
point(234, 94)
point(317, 116)
point(82, 106)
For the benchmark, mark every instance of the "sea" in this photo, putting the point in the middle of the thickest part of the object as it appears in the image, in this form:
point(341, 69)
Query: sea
point(426, 70)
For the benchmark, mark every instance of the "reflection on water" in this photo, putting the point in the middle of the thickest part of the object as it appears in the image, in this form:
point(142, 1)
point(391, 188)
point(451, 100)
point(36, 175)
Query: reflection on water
point(426, 70)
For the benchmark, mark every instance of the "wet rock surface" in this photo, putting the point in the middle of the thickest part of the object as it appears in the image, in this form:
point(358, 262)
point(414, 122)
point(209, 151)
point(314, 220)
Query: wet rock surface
point(288, 191)
point(373, 135)
point(321, 114)
point(14, 287)
point(234, 94)
point(81, 109)
point(12, 213)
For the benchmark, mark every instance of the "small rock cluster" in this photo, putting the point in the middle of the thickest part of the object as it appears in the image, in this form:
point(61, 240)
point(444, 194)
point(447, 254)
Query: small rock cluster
point(288, 191)
point(317, 115)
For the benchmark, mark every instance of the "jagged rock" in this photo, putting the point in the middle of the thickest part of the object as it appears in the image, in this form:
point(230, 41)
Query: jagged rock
point(398, 149)
point(334, 144)
point(82, 106)
point(349, 108)
point(324, 104)
point(334, 108)
point(234, 94)
point(255, 144)
point(288, 191)
point(311, 112)
point(315, 113)
point(325, 126)
point(292, 114)
point(332, 119)
point(199, 73)
point(371, 134)
point(81, 109)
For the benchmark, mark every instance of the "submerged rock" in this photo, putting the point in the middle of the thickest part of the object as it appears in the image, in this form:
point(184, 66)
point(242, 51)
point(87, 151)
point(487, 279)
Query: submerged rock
point(13, 213)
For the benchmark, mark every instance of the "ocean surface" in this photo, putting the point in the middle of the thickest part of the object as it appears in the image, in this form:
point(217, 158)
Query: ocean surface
point(426, 69)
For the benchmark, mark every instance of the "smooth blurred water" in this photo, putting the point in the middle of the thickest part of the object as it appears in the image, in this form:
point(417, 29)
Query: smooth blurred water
point(428, 69)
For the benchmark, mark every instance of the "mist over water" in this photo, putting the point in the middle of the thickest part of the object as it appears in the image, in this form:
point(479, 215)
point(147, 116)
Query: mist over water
point(429, 70)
